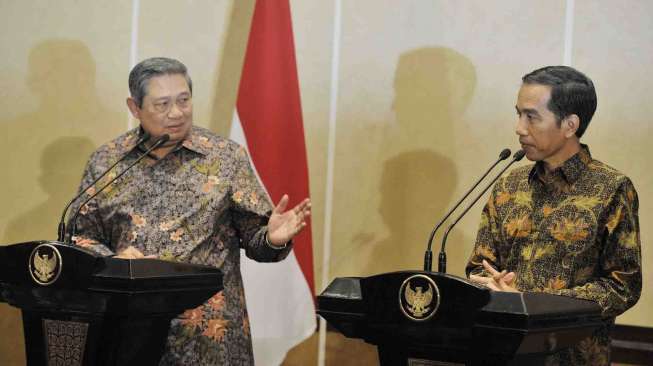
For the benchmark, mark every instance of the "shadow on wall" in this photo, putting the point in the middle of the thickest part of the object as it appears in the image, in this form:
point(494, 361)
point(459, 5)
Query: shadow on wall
point(61, 76)
point(44, 152)
point(433, 87)
point(40, 222)
point(413, 170)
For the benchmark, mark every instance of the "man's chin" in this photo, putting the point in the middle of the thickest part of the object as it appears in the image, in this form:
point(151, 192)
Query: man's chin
point(532, 156)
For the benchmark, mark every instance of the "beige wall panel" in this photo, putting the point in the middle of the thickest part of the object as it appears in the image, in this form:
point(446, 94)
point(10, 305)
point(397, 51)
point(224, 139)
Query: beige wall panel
point(194, 32)
point(426, 102)
point(427, 94)
point(59, 73)
point(613, 44)
point(313, 30)
point(62, 71)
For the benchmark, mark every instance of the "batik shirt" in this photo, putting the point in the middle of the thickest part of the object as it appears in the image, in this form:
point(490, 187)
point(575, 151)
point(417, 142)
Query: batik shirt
point(200, 204)
point(572, 232)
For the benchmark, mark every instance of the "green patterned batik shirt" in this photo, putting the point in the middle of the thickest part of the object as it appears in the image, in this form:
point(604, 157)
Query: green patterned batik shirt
point(572, 232)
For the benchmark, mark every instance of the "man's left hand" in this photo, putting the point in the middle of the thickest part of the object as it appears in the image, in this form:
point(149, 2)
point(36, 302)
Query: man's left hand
point(497, 281)
point(283, 226)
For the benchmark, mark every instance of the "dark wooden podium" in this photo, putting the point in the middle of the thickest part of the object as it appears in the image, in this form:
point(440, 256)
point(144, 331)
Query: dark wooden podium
point(83, 309)
point(426, 318)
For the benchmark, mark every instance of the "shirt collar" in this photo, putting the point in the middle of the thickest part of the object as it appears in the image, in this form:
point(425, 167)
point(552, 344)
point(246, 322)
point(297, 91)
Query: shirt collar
point(194, 141)
point(569, 171)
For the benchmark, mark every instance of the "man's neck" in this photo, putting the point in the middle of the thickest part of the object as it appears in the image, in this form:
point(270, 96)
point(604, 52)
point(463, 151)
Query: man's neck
point(164, 150)
point(565, 153)
point(161, 152)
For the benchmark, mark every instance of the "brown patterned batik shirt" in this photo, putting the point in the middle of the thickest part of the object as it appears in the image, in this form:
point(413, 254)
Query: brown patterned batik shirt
point(572, 232)
point(200, 204)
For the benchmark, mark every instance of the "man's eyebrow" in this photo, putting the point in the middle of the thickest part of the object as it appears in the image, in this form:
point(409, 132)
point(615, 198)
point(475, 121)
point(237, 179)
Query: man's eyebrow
point(527, 110)
point(168, 97)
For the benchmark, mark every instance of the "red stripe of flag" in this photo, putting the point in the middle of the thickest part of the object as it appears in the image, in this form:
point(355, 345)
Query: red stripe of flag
point(269, 108)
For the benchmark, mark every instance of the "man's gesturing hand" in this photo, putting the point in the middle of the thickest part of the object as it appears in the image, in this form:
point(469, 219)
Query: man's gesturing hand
point(132, 253)
point(497, 281)
point(283, 226)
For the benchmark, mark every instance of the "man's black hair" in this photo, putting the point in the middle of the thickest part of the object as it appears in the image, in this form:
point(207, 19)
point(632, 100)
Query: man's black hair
point(571, 93)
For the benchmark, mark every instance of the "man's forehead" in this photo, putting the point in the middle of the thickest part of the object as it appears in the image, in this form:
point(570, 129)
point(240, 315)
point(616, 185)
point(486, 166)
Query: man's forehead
point(166, 85)
point(531, 95)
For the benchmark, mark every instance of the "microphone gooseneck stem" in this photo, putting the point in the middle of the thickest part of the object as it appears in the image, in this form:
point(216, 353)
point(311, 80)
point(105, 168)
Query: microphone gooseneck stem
point(61, 229)
point(73, 222)
point(442, 260)
point(428, 255)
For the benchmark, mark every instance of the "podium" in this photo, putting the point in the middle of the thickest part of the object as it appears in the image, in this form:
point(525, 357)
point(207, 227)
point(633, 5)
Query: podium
point(82, 309)
point(424, 318)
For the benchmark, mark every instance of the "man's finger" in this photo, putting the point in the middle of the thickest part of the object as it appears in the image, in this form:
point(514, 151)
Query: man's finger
point(509, 277)
point(300, 227)
point(497, 277)
point(489, 268)
point(492, 286)
point(135, 252)
point(304, 204)
point(302, 207)
point(281, 206)
point(479, 279)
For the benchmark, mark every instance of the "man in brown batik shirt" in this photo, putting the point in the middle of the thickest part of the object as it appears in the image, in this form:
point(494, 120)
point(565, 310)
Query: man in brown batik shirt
point(567, 225)
point(195, 200)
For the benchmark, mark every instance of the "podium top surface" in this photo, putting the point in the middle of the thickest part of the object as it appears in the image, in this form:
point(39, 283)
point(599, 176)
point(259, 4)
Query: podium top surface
point(379, 299)
point(58, 265)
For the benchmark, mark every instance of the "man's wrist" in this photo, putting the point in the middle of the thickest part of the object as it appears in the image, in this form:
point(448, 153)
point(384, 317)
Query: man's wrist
point(276, 247)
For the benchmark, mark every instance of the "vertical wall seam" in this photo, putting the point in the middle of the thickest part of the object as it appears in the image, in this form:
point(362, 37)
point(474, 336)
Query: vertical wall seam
point(569, 33)
point(133, 49)
point(331, 145)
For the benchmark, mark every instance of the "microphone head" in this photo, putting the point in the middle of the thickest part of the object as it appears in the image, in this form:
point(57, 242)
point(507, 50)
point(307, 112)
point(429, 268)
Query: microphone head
point(519, 155)
point(163, 139)
point(505, 153)
point(145, 136)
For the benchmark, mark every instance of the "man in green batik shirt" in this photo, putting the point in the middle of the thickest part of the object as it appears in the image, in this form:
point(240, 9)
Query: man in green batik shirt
point(568, 224)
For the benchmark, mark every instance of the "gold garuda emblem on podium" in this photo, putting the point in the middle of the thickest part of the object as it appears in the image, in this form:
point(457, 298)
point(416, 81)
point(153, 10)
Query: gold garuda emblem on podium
point(45, 264)
point(419, 297)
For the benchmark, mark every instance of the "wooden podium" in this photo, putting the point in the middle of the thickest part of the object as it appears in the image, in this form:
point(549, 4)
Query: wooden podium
point(424, 318)
point(82, 309)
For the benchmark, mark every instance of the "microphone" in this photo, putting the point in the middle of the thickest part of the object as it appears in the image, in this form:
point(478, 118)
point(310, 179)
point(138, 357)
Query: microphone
point(442, 258)
point(61, 230)
point(162, 140)
point(428, 255)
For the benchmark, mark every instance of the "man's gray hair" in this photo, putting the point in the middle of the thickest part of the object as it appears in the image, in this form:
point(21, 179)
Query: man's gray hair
point(152, 67)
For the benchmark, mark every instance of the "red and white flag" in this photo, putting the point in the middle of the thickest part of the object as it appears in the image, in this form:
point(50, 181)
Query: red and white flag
point(268, 121)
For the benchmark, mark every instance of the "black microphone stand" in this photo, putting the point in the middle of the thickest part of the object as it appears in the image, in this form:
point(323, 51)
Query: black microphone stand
point(428, 255)
point(442, 257)
point(162, 140)
point(61, 230)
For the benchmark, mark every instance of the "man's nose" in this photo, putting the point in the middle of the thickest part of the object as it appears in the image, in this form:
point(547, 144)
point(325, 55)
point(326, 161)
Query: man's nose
point(520, 128)
point(175, 111)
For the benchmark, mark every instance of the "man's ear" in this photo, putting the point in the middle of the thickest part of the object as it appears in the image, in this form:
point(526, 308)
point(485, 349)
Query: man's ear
point(570, 124)
point(133, 108)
